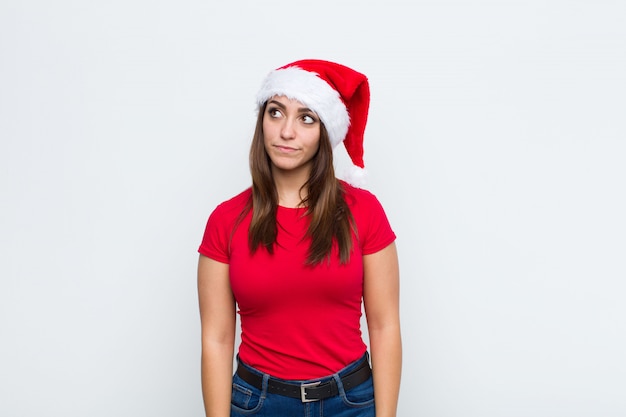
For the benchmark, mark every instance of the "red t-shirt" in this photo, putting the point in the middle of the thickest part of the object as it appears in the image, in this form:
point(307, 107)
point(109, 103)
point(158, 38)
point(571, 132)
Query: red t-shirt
point(297, 321)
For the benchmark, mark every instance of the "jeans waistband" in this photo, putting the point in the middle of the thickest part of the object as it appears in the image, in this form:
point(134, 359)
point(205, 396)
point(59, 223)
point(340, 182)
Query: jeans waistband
point(309, 390)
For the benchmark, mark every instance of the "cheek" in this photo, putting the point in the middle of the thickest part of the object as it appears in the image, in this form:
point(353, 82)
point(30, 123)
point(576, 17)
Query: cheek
point(315, 142)
point(269, 125)
point(316, 147)
point(267, 133)
point(312, 139)
point(266, 128)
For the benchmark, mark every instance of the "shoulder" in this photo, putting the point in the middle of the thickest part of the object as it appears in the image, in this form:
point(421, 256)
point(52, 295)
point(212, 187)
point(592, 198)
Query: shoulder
point(237, 202)
point(374, 230)
point(219, 228)
point(232, 208)
point(358, 197)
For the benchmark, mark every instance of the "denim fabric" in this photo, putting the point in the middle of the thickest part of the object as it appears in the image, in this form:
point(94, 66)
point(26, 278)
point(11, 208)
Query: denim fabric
point(250, 401)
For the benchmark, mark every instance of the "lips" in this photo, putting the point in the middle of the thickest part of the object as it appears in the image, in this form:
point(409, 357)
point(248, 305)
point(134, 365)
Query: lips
point(285, 149)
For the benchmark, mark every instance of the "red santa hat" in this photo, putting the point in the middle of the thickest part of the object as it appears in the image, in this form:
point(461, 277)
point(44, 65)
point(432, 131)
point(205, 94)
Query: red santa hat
point(339, 95)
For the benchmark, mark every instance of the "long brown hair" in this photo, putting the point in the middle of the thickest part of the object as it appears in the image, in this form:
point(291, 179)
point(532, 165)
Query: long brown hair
point(330, 216)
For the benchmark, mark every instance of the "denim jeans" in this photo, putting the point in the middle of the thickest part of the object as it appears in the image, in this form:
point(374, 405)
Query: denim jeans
point(250, 401)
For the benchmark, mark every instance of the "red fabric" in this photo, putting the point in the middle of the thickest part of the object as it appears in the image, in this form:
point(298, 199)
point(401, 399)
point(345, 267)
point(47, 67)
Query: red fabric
point(297, 322)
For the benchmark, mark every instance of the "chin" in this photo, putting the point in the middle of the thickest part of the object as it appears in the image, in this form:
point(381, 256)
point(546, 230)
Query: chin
point(291, 167)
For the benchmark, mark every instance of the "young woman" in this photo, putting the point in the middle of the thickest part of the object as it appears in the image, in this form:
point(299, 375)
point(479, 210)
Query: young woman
point(297, 254)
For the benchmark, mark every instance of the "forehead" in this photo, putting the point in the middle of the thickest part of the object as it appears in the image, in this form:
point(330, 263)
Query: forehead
point(290, 103)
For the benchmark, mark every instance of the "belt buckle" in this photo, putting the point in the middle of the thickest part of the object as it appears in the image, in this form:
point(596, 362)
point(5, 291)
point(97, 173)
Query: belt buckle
point(303, 388)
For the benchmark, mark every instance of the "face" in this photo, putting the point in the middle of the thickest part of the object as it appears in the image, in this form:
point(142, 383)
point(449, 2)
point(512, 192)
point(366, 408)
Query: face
point(292, 135)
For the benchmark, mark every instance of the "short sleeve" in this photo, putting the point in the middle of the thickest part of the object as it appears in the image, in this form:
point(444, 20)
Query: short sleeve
point(374, 231)
point(215, 241)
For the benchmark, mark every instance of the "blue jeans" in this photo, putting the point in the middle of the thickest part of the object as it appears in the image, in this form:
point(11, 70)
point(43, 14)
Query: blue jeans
point(250, 401)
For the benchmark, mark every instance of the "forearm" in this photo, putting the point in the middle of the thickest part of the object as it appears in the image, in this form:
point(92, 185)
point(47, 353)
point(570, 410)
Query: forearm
point(386, 350)
point(217, 316)
point(217, 372)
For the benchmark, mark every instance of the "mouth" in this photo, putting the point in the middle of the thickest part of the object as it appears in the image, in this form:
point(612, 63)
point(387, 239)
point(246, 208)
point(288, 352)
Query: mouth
point(283, 148)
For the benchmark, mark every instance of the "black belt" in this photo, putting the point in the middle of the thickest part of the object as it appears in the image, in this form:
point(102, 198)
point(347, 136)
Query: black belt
point(308, 392)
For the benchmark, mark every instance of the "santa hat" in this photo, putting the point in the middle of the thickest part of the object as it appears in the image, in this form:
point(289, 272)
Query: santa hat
point(339, 95)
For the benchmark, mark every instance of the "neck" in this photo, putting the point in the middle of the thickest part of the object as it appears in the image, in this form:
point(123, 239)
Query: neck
point(289, 186)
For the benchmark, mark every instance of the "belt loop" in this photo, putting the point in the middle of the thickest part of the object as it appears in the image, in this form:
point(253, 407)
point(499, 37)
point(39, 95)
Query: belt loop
point(265, 385)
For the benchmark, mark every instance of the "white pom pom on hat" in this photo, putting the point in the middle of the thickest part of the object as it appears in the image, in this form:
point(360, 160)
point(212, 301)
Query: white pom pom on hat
point(339, 95)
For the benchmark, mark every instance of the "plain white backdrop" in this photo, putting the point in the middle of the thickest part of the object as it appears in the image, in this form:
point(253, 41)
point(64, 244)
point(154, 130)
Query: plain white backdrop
point(496, 143)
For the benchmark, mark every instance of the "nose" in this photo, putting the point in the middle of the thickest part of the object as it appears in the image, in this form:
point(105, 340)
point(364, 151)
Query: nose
point(287, 130)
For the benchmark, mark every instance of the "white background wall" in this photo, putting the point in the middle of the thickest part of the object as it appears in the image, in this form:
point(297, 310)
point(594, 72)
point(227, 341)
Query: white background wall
point(495, 143)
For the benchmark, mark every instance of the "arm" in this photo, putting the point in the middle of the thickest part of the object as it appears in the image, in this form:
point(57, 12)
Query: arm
point(217, 317)
point(381, 300)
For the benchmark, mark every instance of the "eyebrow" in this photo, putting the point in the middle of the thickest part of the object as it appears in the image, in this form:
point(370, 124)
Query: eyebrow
point(282, 106)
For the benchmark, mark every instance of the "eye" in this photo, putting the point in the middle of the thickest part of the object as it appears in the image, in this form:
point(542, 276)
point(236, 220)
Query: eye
point(274, 112)
point(308, 119)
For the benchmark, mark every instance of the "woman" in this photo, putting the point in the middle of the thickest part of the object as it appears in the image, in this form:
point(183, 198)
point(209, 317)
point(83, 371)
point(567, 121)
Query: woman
point(297, 253)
